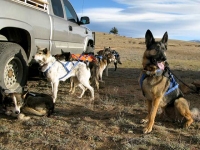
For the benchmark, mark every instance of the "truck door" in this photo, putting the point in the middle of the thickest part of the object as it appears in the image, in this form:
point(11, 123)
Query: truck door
point(77, 33)
point(60, 30)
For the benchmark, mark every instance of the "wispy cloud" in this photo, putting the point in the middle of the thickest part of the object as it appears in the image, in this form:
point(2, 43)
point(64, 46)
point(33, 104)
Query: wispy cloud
point(180, 18)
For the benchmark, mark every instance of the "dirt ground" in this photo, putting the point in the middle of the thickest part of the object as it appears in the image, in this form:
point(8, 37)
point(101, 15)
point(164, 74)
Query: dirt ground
point(112, 120)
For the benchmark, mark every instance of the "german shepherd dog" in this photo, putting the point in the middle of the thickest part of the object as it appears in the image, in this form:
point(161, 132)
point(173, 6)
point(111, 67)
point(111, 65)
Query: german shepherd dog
point(155, 81)
point(18, 104)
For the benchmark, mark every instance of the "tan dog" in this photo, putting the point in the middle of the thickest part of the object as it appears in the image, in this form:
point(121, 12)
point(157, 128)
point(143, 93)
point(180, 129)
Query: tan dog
point(158, 84)
point(114, 52)
point(103, 61)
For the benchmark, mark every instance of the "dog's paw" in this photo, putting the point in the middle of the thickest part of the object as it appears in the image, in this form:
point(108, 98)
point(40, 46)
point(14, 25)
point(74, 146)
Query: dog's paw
point(102, 81)
point(92, 99)
point(23, 117)
point(71, 93)
point(144, 121)
point(79, 97)
point(8, 113)
point(147, 130)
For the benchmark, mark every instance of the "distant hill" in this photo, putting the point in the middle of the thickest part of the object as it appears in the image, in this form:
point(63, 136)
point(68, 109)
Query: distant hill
point(198, 41)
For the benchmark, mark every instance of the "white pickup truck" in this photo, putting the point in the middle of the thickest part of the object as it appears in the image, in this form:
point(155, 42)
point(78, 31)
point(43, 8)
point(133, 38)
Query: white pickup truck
point(25, 24)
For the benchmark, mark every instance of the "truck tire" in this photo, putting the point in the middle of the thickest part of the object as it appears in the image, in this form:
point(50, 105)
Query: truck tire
point(13, 66)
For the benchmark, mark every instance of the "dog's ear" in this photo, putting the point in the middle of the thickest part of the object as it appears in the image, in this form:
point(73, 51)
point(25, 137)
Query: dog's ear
point(149, 39)
point(165, 39)
point(37, 47)
point(62, 52)
point(24, 94)
point(45, 51)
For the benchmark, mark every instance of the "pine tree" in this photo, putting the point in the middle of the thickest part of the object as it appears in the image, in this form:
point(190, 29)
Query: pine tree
point(114, 30)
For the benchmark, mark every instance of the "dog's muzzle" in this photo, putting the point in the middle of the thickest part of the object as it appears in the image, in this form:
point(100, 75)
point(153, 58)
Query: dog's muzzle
point(17, 112)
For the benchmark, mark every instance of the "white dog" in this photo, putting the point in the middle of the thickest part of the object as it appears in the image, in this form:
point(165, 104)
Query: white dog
point(56, 71)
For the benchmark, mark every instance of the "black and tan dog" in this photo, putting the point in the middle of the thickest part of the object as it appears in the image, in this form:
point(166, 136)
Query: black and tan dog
point(159, 86)
point(18, 104)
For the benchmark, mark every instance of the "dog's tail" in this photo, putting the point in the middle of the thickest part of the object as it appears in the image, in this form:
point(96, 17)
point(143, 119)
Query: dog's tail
point(30, 110)
point(195, 114)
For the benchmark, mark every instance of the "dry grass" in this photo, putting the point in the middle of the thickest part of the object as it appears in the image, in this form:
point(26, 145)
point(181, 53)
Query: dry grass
point(112, 120)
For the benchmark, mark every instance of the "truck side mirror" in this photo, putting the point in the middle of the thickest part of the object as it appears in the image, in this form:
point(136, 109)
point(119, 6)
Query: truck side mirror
point(84, 20)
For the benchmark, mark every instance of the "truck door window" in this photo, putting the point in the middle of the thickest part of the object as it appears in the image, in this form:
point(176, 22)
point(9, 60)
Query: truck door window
point(70, 12)
point(57, 8)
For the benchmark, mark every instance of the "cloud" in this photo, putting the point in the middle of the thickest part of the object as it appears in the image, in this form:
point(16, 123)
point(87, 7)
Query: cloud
point(180, 18)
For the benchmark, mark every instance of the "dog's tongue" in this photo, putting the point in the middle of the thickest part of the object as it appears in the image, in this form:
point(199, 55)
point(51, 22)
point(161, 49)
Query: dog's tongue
point(161, 66)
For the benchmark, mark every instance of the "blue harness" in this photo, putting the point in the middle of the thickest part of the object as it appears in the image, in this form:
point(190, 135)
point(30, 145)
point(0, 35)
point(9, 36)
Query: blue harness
point(65, 66)
point(45, 72)
point(99, 56)
point(68, 71)
point(172, 87)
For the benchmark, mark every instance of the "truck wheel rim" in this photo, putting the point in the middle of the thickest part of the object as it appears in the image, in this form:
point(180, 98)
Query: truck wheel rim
point(13, 73)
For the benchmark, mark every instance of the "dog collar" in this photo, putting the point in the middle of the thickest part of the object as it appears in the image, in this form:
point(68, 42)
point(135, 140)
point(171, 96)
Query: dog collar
point(48, 68)
point(157, 72)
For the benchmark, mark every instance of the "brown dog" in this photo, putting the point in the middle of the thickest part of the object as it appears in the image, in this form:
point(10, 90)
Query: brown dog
point(114, 52)
point(158, 84)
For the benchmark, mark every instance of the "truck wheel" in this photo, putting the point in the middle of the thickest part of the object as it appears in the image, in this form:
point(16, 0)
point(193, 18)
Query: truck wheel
point(13, 66)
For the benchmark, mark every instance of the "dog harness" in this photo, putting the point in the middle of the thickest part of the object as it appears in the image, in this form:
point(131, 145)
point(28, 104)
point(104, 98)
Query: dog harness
point(45, 71)
point(65, 66)
point(84, 57)
point(115, 53)
point(173, 84)
point(78, 58)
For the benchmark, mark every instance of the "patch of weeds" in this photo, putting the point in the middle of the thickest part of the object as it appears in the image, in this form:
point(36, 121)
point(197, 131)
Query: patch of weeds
point(196, 139)
point(116, 138)
point(161, 131)
point(175, 145)
point(4, 129)
point(29, 122)
point(135, 144)
point(43, 122)
point(125, 124)
point(108, 100)
point(32, 135)
point(132, 146)
point(2, 147)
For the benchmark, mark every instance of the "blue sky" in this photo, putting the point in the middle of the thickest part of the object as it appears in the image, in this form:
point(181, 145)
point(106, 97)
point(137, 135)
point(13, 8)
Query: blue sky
point(180, 18)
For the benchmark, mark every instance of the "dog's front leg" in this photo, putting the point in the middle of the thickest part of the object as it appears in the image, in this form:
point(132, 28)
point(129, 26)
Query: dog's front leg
point(115, 63)
point(107, 70)
point(100, 75)
point(152, 115)
point(149, 104)
point(54, 90)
